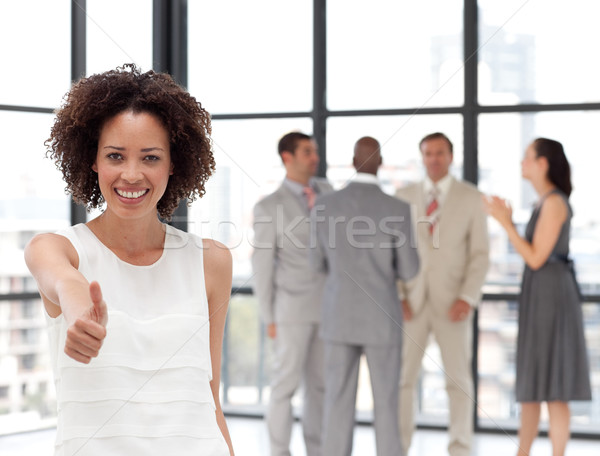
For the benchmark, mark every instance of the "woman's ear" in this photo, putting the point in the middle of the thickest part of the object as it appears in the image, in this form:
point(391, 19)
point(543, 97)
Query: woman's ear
point(543, 161)
point(171, 169)
point(95, 167)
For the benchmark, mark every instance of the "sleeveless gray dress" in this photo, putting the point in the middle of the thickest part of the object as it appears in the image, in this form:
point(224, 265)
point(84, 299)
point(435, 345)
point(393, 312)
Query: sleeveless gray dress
point(552, 362)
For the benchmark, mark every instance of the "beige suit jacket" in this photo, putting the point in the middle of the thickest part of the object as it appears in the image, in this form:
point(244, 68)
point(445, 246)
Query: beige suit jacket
point(455, 260)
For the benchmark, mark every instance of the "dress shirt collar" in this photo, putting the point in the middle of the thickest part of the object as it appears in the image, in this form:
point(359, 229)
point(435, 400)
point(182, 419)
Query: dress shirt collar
point(443, 185)
point(297, 188)
point(365, 178)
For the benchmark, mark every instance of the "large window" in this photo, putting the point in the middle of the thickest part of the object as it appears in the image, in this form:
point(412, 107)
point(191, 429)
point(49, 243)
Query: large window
point(248, 168)
point(118, 32)
point(35, 76)
point(251, 57)
point(492, 75)
point(384, 54)
point(35, 52)
point(538, 51)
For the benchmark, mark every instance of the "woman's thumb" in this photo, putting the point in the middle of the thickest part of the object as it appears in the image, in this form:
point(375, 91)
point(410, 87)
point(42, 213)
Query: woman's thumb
point(98, 302)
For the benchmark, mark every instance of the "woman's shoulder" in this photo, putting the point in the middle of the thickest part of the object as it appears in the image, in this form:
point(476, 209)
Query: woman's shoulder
point(216, 254)
point(44, 243)
point(555, 205)
point(217, 271)
point(50, 250)
point(555, 199)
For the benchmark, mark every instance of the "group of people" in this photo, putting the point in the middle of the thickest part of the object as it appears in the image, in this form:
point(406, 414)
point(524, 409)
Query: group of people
point(339, 274)
point(136, 308)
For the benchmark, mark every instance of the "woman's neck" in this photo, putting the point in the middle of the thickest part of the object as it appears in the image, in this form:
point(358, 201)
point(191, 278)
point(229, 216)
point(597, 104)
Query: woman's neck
point(133, 237)
point(543, 187)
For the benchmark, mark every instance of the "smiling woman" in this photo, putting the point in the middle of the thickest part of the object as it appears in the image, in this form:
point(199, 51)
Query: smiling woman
point(96, 100)
point(133, 163)
point(135, 308)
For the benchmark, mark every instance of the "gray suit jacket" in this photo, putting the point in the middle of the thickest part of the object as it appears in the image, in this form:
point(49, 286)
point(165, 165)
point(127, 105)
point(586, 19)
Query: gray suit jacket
point(363, 242)
point(458, 264)
point(288, 288)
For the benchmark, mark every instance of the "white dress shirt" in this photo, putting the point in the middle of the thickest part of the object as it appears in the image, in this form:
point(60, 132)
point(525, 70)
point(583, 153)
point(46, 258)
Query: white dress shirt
point(366, 178)
point(442, 186)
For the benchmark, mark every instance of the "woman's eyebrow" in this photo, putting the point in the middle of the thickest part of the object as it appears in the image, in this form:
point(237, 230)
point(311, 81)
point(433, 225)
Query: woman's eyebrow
point(146, 149)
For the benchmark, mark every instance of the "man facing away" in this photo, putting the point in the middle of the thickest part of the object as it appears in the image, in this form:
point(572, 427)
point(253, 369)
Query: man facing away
point(453, 247)
point(289, 293)
point(363, 242)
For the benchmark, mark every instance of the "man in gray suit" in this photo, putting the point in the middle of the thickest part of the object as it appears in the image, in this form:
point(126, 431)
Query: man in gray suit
point(289, 293)
point(452, 240)
point(363, 242)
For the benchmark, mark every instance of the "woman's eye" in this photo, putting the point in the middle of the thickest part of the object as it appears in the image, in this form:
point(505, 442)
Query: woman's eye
point(151, 158)
point(114, 156)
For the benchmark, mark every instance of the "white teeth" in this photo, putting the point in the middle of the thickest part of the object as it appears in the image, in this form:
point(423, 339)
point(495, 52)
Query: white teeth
point(131, 195)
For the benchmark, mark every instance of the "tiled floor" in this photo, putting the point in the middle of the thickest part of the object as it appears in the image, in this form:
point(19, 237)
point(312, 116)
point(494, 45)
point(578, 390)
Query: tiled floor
point(250, 439)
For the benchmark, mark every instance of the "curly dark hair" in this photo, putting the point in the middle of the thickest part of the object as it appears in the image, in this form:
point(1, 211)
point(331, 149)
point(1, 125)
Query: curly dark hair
point(73, 141)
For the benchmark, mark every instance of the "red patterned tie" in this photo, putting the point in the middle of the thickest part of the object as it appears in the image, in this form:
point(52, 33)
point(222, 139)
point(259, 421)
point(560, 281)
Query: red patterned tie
point(432, 210)
point(310, 197)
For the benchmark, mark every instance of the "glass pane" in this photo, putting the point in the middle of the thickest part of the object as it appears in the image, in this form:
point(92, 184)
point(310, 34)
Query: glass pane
point(497, 408)
point(32, 200)
point(118, 32)
point(500, 173)
point(537, 52)
point(246, 364)
point(399, 137)
point(36, 40)
point(32, 197)
point(248, 168)
point(381, 55)
point(251, 56)
point(27, 394)
point(496, 364)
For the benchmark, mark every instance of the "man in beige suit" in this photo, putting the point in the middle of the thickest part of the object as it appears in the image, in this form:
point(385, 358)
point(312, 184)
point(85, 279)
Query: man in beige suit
point(452, 241)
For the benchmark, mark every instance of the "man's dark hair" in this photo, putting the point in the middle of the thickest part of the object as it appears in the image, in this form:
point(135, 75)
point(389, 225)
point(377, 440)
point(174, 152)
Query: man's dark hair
point(290, 141)
point(437, 135)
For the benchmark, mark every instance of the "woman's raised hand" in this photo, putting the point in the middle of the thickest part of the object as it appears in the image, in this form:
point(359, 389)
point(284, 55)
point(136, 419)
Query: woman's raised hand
point(498, 208)
point(86, 335)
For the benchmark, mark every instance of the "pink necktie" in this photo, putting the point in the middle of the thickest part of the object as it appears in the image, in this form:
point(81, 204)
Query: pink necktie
point(310, 197)
point(431, 210)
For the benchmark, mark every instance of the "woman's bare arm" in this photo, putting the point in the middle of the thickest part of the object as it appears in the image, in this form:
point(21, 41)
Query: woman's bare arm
point(217, 274)
point(53, 263)
point(553, 214)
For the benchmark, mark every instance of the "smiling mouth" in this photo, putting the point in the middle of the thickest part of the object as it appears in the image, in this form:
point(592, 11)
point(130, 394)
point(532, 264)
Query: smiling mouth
point(131, 195)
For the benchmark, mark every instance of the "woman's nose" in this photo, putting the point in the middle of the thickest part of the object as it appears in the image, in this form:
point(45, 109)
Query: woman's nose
point(131, 172)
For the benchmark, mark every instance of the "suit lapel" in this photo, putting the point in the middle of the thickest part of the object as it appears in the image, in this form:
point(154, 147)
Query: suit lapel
point(291, 201)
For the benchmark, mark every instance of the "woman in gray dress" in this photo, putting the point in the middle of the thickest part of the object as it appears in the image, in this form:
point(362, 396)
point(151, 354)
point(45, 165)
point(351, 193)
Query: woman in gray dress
point(552, 364)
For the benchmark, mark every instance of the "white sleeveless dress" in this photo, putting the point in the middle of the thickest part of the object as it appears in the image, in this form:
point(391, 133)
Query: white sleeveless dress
point(148, 391)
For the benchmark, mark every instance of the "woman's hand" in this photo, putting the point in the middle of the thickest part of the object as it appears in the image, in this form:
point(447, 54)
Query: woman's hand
point(499, 209)
point(86, 334)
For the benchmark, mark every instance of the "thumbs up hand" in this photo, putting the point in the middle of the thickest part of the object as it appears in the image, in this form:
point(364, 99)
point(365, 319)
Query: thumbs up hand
point(86, 335)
